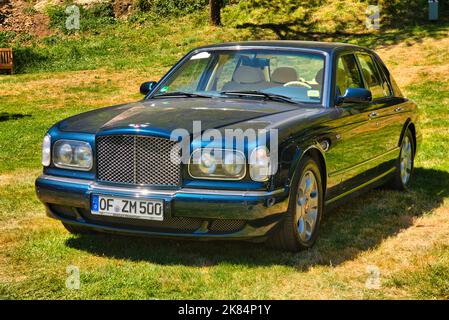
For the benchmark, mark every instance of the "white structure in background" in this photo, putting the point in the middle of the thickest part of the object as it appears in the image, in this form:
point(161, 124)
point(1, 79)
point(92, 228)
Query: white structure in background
point(433, 10)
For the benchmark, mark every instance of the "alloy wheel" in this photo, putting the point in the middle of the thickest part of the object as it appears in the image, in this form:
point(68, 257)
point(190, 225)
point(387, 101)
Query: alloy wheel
point(307, 205)
point(406, 160)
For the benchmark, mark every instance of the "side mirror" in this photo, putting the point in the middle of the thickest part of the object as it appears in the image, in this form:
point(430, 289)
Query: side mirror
point(147, 87)
point(356, 95)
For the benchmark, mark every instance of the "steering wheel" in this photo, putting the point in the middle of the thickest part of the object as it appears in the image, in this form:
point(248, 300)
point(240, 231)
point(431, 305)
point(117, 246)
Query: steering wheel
point(298, 83)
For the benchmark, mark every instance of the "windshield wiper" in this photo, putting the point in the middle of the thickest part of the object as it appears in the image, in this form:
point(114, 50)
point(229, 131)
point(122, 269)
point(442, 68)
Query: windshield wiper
point(181, 94)
point(266, 95)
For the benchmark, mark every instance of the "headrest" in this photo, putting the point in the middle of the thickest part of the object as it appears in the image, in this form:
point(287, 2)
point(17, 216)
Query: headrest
point(284, 75)
point(319, 76)
point(245, 74)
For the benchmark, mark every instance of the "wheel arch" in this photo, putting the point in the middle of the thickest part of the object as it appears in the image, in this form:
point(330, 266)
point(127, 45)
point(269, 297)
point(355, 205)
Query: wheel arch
point(411, 126)
point(316, 153)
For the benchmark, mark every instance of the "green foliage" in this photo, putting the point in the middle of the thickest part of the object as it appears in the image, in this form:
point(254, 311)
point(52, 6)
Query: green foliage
point(100, 10)
point(24, 57)
point(6, 38)
point(93, 18)
point(165, 8)
point(57, 16)
point(398, 12)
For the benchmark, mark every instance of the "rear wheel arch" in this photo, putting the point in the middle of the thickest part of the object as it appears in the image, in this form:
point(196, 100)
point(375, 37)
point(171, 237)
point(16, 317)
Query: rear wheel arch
point(412, 129)
point(409, 125)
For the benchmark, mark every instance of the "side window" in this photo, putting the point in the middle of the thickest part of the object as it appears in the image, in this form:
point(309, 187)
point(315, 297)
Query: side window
point(371, 75)
point(188, 76)
point(386, 85)
point(348, 74)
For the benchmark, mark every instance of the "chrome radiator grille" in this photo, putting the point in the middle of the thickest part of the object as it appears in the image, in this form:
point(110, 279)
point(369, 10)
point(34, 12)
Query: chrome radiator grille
point(138, 160)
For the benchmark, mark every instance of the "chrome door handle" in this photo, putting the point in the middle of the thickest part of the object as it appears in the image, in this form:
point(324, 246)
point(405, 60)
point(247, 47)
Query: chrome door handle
point(398, 109)
point(373, 115)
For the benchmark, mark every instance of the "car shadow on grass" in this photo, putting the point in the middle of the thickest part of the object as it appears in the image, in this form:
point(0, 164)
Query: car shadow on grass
point(359, 225)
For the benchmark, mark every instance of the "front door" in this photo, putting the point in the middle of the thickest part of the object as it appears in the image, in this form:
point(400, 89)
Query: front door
point(356, 130)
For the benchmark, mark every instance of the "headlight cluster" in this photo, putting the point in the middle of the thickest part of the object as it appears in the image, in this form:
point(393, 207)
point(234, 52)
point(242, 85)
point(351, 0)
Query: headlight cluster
point(71, 154)
point(230, 164)
point(260, 164)
point(217, 164)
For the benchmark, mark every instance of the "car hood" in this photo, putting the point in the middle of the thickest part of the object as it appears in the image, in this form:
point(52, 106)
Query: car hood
point(165, 115)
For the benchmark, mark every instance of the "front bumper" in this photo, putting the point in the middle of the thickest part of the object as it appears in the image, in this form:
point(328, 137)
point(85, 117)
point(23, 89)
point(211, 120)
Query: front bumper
point(188, 213)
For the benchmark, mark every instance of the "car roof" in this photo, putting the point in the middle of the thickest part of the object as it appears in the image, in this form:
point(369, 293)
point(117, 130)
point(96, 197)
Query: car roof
point(316, 45)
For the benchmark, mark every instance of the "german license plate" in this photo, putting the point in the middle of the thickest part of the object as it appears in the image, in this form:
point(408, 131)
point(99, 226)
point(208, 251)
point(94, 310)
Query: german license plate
point(127, 207)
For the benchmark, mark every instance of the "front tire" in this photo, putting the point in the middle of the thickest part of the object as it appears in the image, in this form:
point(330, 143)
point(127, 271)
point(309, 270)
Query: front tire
point(299, 229)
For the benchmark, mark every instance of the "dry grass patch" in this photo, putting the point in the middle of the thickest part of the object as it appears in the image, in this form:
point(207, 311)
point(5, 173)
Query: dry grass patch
point(420, 61)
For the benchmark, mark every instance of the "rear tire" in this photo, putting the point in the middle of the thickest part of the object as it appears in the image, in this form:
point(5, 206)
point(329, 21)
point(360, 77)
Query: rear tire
point(73, 229)
point(404, 164)
point(299, 229)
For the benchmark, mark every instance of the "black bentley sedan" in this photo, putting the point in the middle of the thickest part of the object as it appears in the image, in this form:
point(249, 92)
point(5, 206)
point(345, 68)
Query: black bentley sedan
point(247, 141)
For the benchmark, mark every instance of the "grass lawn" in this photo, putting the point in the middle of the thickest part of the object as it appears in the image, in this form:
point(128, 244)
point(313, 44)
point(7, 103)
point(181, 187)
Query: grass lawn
point(403, 236)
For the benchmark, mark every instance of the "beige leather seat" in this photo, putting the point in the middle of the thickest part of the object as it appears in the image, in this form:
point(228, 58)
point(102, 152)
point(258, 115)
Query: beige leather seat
point(246, 78)
point(283, 75)
point(319, 77)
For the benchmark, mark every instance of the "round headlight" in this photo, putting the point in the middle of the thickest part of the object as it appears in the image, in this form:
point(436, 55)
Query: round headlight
point(83, 156)
point(233, 163)
point(260, 165)
point(208, 164)
point(65, 153)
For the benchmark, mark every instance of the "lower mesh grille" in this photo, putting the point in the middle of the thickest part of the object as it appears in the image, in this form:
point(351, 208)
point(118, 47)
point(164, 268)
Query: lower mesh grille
point(170, 224)
point(179, 223)
point(225, 225)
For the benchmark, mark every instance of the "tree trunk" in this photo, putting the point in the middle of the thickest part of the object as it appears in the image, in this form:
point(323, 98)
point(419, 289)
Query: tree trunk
point(215, 17)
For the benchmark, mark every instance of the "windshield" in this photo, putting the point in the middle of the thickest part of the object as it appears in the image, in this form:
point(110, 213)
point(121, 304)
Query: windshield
point(293, 75)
